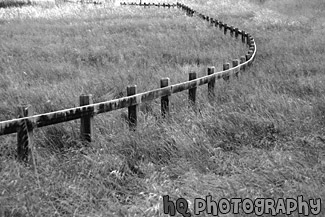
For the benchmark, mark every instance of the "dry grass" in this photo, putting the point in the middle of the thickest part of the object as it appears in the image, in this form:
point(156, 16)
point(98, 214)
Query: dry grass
point(262, 137)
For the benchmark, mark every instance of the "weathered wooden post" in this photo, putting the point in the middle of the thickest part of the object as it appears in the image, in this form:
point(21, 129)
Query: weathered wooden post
point(242, 60)
point(211, 84)
point(190, 12)
point(212, 22)
point(216, 23)
point(86, 122)
point(250, 53)
point(232, 31)
point(164, 82)
point(248, 39)
point(235, 63)
point(251, 42)
point(226, 66)
point(134, 109)
point(25, 135)
point(236, 32)
point(243, 35)
point(247, 57)
point(252, 47)
point(192, 91)
point(254, 50)
point(225, 28)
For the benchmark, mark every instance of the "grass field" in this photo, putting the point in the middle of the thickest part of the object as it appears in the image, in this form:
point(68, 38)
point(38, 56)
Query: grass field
point(263, 137)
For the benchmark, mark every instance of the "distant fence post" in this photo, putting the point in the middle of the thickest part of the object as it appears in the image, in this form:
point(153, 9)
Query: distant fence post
point(247, 57)
point(226, 66)
point(132, 110)
point(216, 23)
point(225, 28)
point(234, 64)
point(86, 123)
point(248, 39)
point(251, 40)
point(250, 54)
point(243, 35)
point(232, 31)
point(236, 32)
point(220, 25)
point(24, 135)
point(242, 60)
point(212, 21)
point(164, 82)
point(192, 91)
point(211, 84)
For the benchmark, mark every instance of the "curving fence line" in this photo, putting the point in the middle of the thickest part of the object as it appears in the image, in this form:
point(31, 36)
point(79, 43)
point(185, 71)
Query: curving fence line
point(27, 122)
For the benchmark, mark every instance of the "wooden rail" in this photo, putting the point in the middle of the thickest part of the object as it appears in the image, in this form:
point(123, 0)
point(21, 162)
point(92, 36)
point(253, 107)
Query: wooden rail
point(27, 122)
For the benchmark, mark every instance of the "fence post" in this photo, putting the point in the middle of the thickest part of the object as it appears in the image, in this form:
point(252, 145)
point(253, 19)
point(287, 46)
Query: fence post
point(226, 66)
point(24, 135)
point(192, 91)
point(236, 32)
point(164, 82)
point(132, 110)
point(251, 41)
point(234, 64)
point(243, 33)
point(248, 39)
point(250, 53)
point(86, 123)
point(211, 84)
point(252, 47)
point(225, 28)
point(212, 22)
point(216, 23)
point(247, 57)
point(242, 60)
point(231, 31)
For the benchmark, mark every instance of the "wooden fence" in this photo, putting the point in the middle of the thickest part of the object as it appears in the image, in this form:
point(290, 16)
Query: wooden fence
point(27, 121)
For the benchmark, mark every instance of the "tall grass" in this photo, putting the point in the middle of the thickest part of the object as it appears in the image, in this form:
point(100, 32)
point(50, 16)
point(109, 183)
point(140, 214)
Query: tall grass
point(263, 136)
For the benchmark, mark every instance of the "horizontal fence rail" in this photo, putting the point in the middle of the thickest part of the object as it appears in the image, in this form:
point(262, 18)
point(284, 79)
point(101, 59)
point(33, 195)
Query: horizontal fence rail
point(149, 4)
point(26, 122)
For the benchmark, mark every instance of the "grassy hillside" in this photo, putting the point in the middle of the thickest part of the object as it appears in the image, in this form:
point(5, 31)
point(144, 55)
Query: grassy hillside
point(262, 137)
